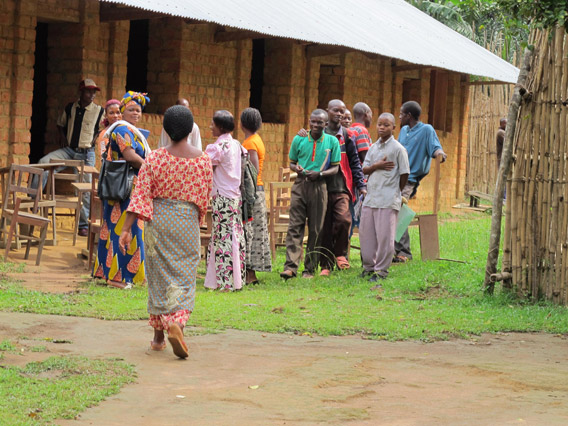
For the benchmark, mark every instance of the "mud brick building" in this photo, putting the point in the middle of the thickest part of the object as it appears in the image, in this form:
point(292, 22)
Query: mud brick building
point(285, 58)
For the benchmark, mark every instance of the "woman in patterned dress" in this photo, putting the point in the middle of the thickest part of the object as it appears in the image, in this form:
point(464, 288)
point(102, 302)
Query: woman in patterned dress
point(171, 195)
point(258, 246)
point(226, 260)
point(126, 142)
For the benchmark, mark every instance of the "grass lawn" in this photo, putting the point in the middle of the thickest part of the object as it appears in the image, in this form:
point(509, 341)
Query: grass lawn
point(420, 300)
point(59, 387)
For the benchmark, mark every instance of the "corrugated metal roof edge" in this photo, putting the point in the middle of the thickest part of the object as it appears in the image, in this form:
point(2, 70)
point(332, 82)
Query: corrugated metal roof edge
point(512, 81)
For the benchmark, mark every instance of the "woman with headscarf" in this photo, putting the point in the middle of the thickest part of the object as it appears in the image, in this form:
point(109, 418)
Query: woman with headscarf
point(226, 260)
point(171, 195)
point(126, 142)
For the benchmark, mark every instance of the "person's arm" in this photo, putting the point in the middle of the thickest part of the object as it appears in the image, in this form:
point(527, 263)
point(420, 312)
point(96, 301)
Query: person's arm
point(383, 164)
point(61, 137)
point(126, 235)
point(296, 168)
point(435, 147)
point(355, 165)
point(195, 137)
point(403, 180)
point(134, 159)
point(253, 157)
point(362, 155)
point(315, 175)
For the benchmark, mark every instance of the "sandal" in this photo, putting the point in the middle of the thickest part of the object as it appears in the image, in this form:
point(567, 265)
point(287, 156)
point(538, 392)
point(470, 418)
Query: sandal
point(342, 262)
point(156, 347)
point(307, 275)
point(175, 336)
point(325, 273)
point(287, 274)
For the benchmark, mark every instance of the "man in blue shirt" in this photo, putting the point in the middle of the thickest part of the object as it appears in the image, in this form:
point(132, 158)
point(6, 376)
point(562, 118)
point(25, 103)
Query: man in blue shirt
point(422, 144)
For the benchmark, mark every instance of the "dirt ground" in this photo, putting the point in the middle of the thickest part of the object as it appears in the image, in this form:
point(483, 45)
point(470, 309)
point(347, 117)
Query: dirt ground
point(252, 378)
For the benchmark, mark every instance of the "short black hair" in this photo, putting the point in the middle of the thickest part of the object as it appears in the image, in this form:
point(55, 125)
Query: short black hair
point(320, 112)
point(251, 119)
point(413, 108)
point(178, 122)
point(224, 120)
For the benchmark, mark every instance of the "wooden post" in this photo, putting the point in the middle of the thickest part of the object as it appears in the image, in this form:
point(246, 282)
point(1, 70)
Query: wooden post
point(504, 168)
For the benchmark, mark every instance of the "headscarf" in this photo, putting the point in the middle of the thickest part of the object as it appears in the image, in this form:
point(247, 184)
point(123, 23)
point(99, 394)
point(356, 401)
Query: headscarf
point(131, 98)
point(109, 103)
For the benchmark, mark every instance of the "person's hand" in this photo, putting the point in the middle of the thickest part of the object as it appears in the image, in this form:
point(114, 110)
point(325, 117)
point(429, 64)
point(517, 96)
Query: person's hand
point(404, 200)
point(303, 133)
point(124, 241)
point(312, 175)
point(363, 192)
point(384, 164)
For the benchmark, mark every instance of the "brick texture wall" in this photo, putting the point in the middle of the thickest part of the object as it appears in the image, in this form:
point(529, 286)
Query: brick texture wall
point(185, 61)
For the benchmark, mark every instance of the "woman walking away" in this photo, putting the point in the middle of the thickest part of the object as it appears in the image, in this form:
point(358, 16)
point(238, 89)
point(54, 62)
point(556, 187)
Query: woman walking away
point(258, 247)
point(171, 195)
point(226, 261)
point(126, 142)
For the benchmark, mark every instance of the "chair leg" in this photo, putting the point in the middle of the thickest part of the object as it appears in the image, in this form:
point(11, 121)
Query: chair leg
point(91, 244)
point(53, 224)
point(76, 227)
point(29, 245)
point(13, 225)
point(41, 243)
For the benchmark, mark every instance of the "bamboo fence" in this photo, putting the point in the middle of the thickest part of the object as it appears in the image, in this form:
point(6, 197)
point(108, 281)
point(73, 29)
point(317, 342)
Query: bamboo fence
point(488, 104)
point(535, 239)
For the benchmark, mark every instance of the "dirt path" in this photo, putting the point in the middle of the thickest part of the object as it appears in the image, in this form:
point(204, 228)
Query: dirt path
point(498, 379)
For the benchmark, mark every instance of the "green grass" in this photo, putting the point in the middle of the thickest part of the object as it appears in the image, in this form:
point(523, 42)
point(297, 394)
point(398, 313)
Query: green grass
point(420, 300)
point(59, 387)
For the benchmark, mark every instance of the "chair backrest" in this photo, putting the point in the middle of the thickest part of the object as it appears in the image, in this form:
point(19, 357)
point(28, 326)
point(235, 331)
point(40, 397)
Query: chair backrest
point(96, 207)
point(20, 181)
point(78, 165)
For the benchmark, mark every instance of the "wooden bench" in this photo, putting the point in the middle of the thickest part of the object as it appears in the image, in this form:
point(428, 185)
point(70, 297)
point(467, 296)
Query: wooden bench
point(476, 196)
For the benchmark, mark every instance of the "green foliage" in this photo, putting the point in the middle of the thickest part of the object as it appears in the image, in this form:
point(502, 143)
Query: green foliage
point(59, 387)
point(545, 14)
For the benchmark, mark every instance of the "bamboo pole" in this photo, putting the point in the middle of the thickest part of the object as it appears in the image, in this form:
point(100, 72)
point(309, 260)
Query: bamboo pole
point(504, 168)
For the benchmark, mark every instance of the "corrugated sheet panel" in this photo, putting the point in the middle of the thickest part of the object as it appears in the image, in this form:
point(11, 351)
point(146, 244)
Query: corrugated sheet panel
point(391, 28)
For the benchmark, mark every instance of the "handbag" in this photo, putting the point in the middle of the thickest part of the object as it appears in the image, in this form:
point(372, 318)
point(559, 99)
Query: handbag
point(115, 179)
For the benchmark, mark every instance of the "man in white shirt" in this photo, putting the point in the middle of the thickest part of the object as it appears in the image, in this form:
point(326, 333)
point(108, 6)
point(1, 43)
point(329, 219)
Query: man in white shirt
point(194, 138)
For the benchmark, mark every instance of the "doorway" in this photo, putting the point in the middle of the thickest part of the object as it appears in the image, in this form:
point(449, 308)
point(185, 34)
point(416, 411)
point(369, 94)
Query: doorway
point(39, 102)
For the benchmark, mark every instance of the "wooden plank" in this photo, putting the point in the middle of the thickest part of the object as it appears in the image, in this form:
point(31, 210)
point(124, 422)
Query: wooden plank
point(316, 50)
point(429, 243)
point(116, 12)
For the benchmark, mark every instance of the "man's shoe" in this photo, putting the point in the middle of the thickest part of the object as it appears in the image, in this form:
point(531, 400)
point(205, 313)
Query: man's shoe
point(287, 274)
point(307, 274)
point(376, 277)
point(365, 273)
point(83, 232)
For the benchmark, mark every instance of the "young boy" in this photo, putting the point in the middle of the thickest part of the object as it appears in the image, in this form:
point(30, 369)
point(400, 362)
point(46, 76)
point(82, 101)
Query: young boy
point(386, 167)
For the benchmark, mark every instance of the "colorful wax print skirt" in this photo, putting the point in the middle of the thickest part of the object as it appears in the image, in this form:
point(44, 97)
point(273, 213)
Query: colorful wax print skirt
point(226, 257)
point(257, 241)
point(110, 263)
point(172, 255)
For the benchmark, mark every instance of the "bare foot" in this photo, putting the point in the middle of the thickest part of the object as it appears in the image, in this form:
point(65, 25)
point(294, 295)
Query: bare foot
point(175, 336)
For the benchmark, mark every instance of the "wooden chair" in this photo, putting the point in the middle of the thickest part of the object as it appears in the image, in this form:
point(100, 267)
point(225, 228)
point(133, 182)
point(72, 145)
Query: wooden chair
point(279, 214)
point(205, 233)
point(12, 210)
point(71, 202)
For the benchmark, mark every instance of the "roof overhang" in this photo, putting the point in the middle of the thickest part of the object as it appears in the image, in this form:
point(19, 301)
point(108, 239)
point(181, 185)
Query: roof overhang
point(390, 28)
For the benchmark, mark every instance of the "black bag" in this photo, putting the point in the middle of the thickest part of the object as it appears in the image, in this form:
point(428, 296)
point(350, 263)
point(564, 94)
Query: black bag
point(249, 176)
point(115, 179)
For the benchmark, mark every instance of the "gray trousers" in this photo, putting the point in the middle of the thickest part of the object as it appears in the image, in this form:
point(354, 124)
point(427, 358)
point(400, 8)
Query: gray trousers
point(308, 201)
point(376, 236)
point(403, 246)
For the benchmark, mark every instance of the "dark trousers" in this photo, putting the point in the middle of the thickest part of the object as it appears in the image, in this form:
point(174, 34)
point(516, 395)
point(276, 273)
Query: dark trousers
point(403, 246)
point(308, 201)
point(336, 227)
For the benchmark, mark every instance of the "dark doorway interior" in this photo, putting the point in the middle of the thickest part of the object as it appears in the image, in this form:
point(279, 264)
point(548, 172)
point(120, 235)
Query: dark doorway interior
point(257, 74)
point(39, 102)
point(137, 62)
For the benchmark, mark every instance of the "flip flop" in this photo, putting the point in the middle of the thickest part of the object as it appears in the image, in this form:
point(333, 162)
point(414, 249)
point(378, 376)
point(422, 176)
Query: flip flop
point(155, 347)
point(342, 263)
point(325, 273)
point(175, 337)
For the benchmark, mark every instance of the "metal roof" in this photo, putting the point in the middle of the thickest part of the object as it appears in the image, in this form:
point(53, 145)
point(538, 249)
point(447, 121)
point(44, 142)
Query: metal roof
point(391, 28)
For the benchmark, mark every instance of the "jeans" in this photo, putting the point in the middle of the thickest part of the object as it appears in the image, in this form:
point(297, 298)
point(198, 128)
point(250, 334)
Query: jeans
point(68, 153)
